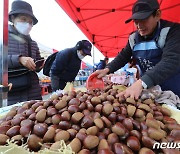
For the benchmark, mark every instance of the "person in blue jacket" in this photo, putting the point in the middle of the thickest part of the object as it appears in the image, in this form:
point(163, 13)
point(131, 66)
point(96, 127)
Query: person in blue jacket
point(155, 47)
point(102, 64)
point(67, 64)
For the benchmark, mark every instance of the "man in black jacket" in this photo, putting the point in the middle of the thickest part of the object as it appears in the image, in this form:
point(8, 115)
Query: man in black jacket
point(155, 47)
point(67, 64)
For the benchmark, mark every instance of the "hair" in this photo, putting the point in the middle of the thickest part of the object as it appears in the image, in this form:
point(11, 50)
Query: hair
point(155, 12)
point(14, 16)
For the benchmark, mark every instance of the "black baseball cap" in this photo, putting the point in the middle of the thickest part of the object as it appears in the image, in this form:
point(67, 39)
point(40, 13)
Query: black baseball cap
point(86, 47)
point(142, 9)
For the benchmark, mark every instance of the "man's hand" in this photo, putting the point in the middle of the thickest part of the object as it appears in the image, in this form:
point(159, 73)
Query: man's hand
point(134, 91)
point(101, 73)
point(28, 62)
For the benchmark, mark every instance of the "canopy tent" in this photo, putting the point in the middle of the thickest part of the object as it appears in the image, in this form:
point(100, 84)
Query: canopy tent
point(103, 21)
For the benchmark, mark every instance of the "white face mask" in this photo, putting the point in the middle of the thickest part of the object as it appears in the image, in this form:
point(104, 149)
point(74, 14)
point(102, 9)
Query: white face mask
point(80, 55)
point(23, 27)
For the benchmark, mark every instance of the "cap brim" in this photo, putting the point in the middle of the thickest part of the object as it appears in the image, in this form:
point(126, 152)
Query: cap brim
point(139, 16)
point(35, 21)
point(87, 52)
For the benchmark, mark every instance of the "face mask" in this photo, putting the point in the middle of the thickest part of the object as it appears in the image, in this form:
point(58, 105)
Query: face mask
point(79, 55)
point(23, 27)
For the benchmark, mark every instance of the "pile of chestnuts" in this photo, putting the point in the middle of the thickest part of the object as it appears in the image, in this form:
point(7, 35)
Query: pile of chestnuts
point(92, 122)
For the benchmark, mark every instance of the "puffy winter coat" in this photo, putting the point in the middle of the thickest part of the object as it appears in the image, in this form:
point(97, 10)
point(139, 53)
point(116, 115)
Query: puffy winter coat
point(18, 46)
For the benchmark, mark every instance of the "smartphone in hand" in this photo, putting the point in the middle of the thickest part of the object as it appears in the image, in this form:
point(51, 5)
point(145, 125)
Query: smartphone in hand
point(39, 63)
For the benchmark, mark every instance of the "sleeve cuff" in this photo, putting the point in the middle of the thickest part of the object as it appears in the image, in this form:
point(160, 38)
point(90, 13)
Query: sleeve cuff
point(147, 80)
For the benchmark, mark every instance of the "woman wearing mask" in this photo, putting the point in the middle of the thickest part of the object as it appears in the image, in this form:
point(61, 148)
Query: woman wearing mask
point(23, 51)
point(67, 64)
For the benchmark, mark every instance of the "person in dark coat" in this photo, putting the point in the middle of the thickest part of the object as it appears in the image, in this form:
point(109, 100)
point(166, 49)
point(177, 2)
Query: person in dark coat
point(67, 64)
point(102, 64)
point(20, 45)
point(155, 47)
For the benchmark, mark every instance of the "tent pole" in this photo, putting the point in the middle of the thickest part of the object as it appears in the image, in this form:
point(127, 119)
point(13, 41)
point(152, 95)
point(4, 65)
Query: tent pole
point(3, 52)
point(93, 53)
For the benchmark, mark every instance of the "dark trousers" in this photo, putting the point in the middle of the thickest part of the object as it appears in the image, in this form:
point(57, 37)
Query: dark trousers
point(57, 83)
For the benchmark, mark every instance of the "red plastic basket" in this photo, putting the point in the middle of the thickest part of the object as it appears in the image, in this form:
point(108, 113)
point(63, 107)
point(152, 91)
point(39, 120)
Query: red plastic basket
point(94, 83)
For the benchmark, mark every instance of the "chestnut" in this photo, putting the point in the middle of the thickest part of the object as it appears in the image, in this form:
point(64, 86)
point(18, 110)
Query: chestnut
point(39, 108)
point(27, 123)
point(73, 108)
point(34, 142)
point(29, 112)
point(25, 131)
point(40, 129)
point(76, 117)
point(82, 106)
point(136, 134)
point(72, 133)
point(127, 122)
point(13, 131)
point(133, 143)
point(62, 135)
point(81, 136)
point(106, 121)
point(87, 122)
point(65, 116)
point(55, 119)
point(95, 100)
point(89, 106)
point(119, 129)
point(112, 139)
point(148, 142)
point(74, 101)
point(4, 129)
point(76, 127)
point(112, 117)
point(51, 111)
point(101, 135)
point(118, 148)
point(107, 109)
point(17, 121)
point(98, 108)
point(120, 117)
point(64, 125)
point(32, 116)
point(4, 139)
point(91, 141)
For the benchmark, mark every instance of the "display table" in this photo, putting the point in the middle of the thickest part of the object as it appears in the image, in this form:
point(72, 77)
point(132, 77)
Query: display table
point(124, 115)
